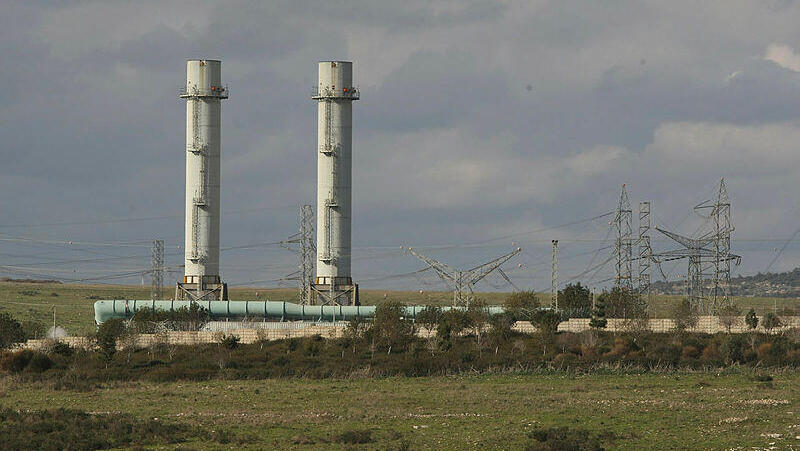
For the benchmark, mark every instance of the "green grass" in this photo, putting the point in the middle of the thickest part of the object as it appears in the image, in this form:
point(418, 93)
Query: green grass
point(73, 303)
point(642, 411)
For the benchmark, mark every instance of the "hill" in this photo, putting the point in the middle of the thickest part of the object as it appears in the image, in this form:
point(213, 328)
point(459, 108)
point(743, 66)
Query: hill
point(777, 285)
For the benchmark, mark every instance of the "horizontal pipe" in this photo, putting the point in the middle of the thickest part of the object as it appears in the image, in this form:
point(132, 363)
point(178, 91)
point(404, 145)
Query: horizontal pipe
point(280, 310)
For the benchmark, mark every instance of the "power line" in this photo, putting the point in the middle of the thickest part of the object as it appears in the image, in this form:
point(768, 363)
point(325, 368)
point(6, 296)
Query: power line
point(134, 219)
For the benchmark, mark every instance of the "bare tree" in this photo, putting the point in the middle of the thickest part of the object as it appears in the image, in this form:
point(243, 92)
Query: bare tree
point(730, 316)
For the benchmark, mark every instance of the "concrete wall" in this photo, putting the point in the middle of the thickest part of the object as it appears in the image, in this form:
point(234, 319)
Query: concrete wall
point(706, 324)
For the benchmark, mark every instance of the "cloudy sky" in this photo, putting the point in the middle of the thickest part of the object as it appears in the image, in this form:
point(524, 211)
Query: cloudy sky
point(482, 125)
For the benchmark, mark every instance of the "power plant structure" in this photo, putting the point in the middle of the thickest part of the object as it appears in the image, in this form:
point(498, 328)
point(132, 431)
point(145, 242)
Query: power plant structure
point(203, 93)
point(332, 294)
point(334, 94)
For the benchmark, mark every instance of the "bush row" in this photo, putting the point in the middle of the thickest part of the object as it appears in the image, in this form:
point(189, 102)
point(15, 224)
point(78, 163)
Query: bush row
point(366, 354)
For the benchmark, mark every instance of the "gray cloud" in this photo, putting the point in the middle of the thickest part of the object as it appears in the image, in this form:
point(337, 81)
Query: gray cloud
point(450, 146)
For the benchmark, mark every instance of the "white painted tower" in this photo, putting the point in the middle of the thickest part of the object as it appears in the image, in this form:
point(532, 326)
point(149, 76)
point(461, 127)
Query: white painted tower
point(334, 94)
point(203, 93)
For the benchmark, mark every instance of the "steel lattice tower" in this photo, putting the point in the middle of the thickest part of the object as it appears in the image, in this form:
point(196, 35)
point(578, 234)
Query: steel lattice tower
point(623, 243)
point(645, 253)
point(157, 275)
point(554, 277)
point(464, 280)
point(712, 249)
point(722, 246)
point(304, 238)
point(307, 253)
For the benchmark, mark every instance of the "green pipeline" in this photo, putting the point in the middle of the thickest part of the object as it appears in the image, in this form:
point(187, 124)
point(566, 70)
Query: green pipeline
point(273, 310)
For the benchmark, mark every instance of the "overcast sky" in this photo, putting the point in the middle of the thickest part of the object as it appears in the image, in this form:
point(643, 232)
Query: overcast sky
point(480, 122)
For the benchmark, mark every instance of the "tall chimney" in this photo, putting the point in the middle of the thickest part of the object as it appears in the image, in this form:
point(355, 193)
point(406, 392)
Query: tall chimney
point(334, 94)
point(203, 93)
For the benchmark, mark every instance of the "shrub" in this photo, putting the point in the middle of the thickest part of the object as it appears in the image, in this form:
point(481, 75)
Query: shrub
point(229, 342)
point(478, 317)
point(771, 321)
point(622, 346)
point(689, 352)
point(598, 320)
point(710, 353)
point(576, 299)
point(430, 316)
point(565, 438)
point(107, 335)
point(33, 330)
point(501, 330)
point(665, 353)
point(11, 331)
point(356, 329)
point(565, 360)
point(764, 350)
point(733, 347)
point(355, 437)
point(761, 377)
point(15, 362)
point(685, 315)
point(25, 360)
point(452, 323)
point(61, 348)
point(793, 356)
point(390, 328)
point(72, 429)
point(751, 319)
point(546, 321)
point(521, 305)
point(147, 320)
point(39, 363)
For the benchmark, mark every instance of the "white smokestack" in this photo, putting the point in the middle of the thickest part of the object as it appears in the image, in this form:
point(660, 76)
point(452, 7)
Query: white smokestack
point(335, 94)
point(204, 90)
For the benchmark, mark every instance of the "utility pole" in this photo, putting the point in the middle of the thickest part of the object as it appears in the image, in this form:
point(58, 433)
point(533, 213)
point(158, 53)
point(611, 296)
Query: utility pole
point(554, 278)
point(157, 274)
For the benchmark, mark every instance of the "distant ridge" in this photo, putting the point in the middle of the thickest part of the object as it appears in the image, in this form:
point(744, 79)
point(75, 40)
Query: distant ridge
point(9, 279)
point(782, 284)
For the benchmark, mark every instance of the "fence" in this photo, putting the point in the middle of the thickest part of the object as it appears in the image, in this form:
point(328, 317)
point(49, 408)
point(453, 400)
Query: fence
point(256, 331)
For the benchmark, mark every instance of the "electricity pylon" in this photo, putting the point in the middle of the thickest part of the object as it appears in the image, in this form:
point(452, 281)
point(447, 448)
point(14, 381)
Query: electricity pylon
point(721, 216)
point(554, 278)
point(463, 281)
point(157, 275)
point(645, 254)
point(306, 254)
point(712, 249)
point(623, 244)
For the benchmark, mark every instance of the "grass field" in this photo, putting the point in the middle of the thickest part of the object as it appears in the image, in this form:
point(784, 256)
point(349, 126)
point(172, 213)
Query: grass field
point(633, 411)
point(74, 312)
